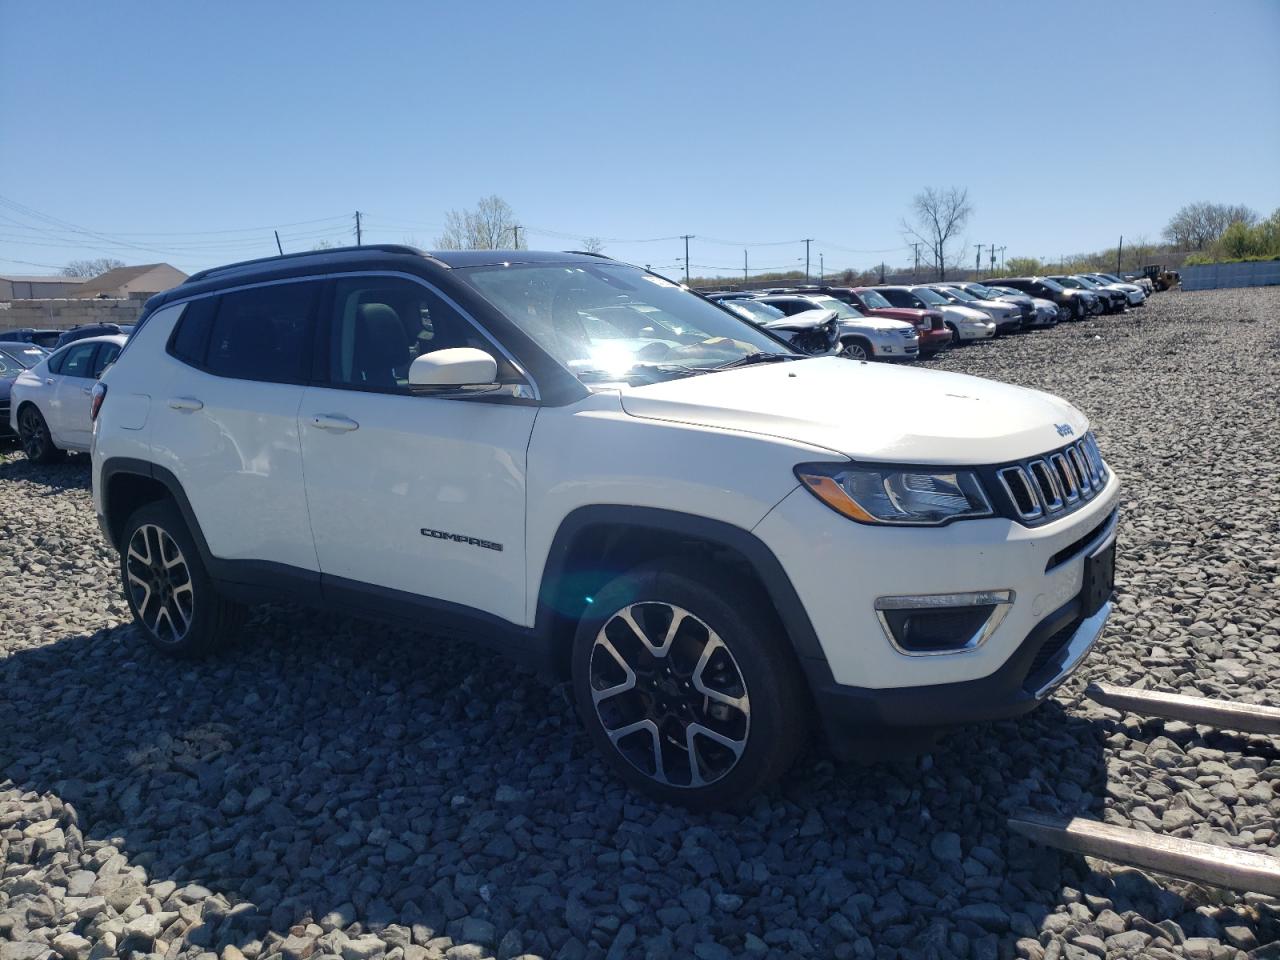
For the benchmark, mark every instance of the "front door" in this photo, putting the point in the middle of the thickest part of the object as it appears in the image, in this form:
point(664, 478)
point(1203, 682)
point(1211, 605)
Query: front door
point(417, 494)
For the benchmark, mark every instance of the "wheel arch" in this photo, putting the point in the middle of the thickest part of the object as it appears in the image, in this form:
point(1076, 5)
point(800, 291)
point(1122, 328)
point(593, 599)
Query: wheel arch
point(128, 483)
point(596, 543)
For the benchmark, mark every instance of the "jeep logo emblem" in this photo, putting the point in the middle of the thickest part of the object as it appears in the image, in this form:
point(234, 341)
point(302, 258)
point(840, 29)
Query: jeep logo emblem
point(1064, 429)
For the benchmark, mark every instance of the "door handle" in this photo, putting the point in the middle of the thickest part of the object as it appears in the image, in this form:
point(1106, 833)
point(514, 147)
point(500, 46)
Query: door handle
point(48, 381)
point(86, 391)
point(185, 403)
point(326, 421)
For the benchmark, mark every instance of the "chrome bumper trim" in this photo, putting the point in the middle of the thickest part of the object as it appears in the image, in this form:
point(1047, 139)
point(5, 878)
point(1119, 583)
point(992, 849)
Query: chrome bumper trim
point(1082, 642)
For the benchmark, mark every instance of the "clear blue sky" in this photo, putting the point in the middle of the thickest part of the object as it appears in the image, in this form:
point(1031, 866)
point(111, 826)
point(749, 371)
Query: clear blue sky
point(152, 125)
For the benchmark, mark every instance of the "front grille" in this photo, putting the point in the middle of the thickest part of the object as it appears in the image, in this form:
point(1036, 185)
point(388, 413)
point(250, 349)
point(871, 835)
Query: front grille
point(1056, 483)
point(908, 333)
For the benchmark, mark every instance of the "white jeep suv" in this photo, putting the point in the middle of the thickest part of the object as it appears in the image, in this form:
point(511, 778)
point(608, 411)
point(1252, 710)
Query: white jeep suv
point(723, 545)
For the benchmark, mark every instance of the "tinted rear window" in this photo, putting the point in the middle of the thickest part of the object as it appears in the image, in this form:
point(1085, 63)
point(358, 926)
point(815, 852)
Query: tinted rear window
point(192, 334)
point(263, 333)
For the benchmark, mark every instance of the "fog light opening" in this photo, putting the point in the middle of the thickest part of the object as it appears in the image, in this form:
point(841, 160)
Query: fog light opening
point(933, 624)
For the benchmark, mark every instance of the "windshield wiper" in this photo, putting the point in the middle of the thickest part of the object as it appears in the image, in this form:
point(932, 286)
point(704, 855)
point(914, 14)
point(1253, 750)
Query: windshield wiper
point(758, 358)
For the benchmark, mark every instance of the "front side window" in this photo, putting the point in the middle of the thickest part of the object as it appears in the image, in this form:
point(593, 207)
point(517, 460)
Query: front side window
point(1070, 282)
point(263, 333)
point(380, 324)
point(842, 309)
point(1048, 284)
point(931, 297)
point(753, 310)
point(981, 292)
point(610, 320)
point(24, 355)
point(78, 361)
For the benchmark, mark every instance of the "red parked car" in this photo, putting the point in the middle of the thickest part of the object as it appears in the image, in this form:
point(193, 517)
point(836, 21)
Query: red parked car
point(934, 335)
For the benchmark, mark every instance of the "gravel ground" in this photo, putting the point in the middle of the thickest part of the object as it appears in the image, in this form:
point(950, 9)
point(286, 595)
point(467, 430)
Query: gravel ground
point(332, 788)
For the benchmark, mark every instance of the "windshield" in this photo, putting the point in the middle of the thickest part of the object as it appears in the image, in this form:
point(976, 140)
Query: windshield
point(24, 355)
point(1110, 278)
point(931, 296)
point(873, 300)
point(956, 295)
point(981, 292)
point(1051, 284)
point(842, 309)
point(752, 310)
point(1007, 291)
point(1089, 284)
point(1070, 282)
point(610, 320)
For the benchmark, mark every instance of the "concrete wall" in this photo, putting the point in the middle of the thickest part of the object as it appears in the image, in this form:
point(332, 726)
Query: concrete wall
point(64, 314)
point(1212, 276)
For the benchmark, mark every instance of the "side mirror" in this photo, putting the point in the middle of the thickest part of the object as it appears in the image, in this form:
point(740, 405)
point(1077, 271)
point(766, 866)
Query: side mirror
point(457, 368)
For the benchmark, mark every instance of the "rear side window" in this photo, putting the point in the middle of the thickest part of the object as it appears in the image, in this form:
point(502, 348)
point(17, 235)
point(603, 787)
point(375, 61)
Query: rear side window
point(264, 333)
point(78, 361)
point(192, 334)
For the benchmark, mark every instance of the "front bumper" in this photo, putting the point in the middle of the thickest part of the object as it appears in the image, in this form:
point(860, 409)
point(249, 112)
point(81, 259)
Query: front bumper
point(840, 568)
point(975, 330)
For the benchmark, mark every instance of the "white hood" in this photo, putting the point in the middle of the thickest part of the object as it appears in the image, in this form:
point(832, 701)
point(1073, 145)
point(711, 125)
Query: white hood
point(876, 323)
point(869, 411)
point(967, 314)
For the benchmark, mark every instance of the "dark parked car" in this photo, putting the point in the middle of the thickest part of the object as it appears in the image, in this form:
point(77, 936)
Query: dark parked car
point(1113, 301)
point(44, 338)
point(92, 330)
point(1075, 304)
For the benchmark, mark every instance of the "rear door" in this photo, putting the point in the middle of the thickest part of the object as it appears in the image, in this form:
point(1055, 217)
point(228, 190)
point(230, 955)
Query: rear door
point(225, 419)
point(68, 415)
point(420, 495)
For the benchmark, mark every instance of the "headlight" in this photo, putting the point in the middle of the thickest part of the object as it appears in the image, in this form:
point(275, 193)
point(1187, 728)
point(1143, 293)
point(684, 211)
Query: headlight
point(896, 495)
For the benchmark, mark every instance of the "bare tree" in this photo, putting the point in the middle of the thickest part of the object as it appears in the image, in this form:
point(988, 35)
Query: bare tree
point(939, 215)
point(1197, 225)
point(91, 268)
point(490, 226)
point(592, 245)
point(1140, 250)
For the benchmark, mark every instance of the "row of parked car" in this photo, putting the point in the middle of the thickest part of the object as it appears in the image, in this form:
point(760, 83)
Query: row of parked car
point(904, 322)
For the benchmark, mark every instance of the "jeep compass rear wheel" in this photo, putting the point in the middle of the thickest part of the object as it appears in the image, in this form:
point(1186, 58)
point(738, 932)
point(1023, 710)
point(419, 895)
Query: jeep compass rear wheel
point(33, 433)
point(169, 592)
point(687, 686)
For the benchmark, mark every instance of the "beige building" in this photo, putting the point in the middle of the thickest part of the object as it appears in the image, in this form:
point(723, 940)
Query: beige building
point(119, 283)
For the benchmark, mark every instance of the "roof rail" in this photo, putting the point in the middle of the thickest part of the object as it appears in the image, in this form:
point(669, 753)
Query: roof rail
point(383, 247)
point(590, 253)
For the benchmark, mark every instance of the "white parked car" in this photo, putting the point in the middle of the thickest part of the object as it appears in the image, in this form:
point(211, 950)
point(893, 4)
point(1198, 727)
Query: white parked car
point(724, 547)
point(49, 404)
point(861, 337)
point(1006, 316)
point(1133, 293)
point(965, 324)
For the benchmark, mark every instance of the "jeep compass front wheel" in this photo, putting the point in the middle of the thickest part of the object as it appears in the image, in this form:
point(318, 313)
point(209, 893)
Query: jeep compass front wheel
point(687, 686)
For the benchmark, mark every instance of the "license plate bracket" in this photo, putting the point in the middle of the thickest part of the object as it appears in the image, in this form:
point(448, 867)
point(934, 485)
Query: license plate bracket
point(1099, 579)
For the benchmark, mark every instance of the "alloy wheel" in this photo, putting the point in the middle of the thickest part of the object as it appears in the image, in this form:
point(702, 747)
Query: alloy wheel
point(854, 351)
point(31, 431)
point(669, 694)
point(159, 583)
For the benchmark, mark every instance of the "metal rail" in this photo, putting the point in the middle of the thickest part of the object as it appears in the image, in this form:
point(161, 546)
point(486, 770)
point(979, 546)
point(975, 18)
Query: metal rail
point(1246, 717)
point(1209, 863)
point(1219, 866)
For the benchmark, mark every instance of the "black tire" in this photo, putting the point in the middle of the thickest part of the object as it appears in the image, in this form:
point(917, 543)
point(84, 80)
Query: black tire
point(173, 601)
point(955, 334)
point(33, 434)
point(718, 612)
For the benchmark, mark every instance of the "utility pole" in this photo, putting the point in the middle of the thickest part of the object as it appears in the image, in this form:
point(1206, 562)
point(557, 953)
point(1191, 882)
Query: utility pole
point(916, 269)
point(279, 248)
point(1002, 250)
point(806, 258)
point(1119, 251)
point(686, 237)
point(822, 268)
point(993, 257)
point(515, 229)
point(359, 234)
point(744, 266)
point(977, 260)
point(882, 271)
